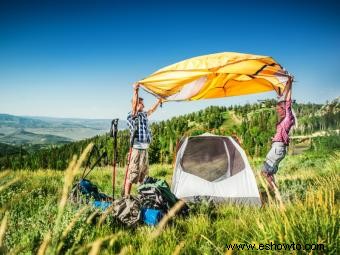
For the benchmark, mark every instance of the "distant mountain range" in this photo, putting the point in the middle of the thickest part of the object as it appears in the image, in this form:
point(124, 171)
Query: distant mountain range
point(21, 136)
point(23, 130)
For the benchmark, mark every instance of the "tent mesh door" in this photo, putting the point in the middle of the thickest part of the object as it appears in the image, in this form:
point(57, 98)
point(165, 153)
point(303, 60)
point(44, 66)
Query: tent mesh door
point(205, 157)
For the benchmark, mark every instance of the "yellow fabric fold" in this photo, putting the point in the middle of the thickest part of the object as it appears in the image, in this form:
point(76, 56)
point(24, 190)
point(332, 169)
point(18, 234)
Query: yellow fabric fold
point(216, 75)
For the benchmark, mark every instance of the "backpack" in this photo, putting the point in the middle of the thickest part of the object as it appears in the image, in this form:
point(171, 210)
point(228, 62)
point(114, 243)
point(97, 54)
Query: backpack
point(156, 194)
point(84, 190)
point(127, 210)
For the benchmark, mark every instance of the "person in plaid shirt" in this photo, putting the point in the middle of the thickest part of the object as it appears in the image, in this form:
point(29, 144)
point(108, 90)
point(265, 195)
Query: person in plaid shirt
point(280, 141)
point(138, 124)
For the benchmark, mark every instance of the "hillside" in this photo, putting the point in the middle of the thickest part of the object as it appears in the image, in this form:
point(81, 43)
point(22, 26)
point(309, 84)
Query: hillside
point(308, 185)
point(306, 212)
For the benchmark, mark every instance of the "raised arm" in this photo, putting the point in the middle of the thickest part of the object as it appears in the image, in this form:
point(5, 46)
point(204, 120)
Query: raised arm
point(289, 119)
point(288, 90)
point(135, 99)
point(154, 107)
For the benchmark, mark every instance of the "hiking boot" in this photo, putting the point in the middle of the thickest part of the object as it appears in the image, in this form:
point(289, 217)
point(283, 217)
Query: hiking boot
point(270, 180)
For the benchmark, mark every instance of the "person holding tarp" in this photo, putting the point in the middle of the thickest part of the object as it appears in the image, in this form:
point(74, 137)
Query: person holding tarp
point(280, 141)
point(138, 124)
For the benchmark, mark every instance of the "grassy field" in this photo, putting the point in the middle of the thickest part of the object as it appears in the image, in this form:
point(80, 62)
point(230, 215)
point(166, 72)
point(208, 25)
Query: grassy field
point(37, 219)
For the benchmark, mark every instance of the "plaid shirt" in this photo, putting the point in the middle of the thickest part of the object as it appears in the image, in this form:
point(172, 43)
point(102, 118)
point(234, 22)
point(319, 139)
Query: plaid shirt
point(143, 134)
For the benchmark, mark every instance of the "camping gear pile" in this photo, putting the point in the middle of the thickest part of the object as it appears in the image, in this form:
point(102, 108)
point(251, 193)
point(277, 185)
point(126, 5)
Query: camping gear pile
point(153, 201)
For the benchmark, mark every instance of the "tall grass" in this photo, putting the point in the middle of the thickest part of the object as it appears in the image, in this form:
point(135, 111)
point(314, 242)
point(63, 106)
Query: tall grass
point(36, 217)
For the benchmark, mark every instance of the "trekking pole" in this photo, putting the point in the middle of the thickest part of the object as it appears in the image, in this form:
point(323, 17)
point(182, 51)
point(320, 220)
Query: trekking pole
point(113, 133)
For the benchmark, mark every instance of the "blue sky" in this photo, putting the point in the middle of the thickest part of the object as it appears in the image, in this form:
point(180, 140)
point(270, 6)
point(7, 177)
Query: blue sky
point(79, 58)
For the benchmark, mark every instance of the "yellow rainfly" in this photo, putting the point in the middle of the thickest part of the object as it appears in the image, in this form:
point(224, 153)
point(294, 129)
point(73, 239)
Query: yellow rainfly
point(216, 75)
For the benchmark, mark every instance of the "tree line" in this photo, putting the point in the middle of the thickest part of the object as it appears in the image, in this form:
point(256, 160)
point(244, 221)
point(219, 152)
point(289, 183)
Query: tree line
point(252, 125)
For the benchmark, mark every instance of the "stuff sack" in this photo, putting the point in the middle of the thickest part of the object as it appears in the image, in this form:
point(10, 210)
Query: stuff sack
point(151, 217)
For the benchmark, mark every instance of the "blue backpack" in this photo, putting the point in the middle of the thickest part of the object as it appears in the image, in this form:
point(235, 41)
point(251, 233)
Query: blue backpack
point(84, 190)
